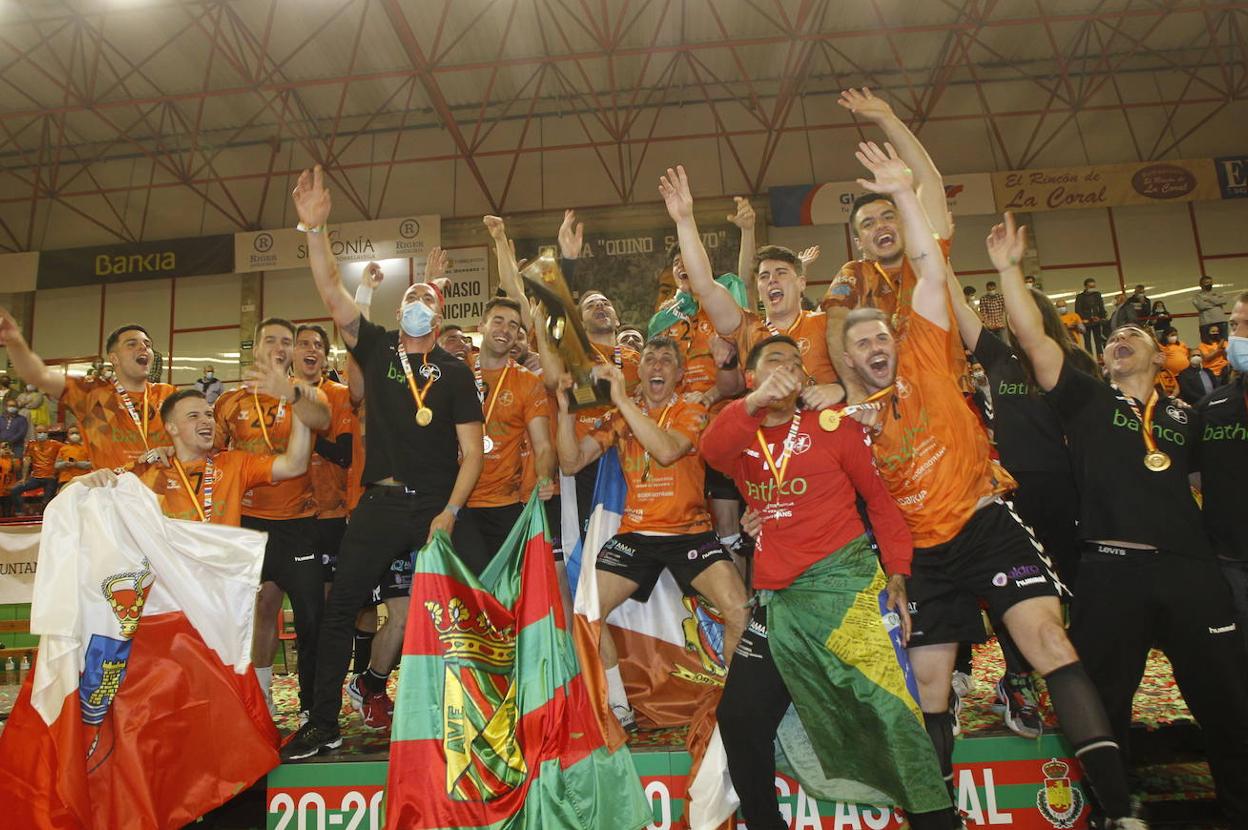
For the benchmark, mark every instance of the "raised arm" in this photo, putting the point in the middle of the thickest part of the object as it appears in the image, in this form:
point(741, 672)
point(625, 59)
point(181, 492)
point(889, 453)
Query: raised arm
point(573, 454)
point(308, 403)
point(894, 178)
point(29, 366)
point(927, 179)
point(744, 219)
point(369, 282)
point(969, 324)
point(508, 271)
point(1006, 244)
point(294, 462)
point(312, 204)
point(723, 310)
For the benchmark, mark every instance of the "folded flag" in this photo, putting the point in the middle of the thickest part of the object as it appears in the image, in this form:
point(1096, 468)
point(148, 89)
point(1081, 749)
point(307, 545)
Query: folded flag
point(143, 710)
point(493, 726)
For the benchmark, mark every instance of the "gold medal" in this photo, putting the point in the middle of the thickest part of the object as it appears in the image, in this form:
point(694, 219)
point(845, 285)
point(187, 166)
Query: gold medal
point(829, 420)
point(424, 416)
point(1157, 461)
point(489, 444)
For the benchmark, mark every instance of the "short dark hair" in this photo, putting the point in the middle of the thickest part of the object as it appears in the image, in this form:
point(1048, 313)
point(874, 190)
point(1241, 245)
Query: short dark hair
point(116, 334)
point(990, 285)
point(781, 253)
point(1087, 281)
point(968, 290)
point(662, 341)
point(862, 315)
point(1139, 288)
point(1204, 277)
point(862, 201)
point(319, 330)
point(166, 408)
point(505, 302)
point(276, 321)
point(673, 251)
point(449, 327)
point(756, 353)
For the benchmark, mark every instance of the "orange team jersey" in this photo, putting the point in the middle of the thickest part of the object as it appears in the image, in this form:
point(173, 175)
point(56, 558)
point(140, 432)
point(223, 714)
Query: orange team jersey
point(865, 283)
point(10, 468)
point(512, 402)
point(1174, 360)
point(239, 428)
point(42, 455)
point(71, 452)
point(108, 432)
point(694, 336)
point(810, 330)
point(932, 452)
point(1217, 365)
point(1072, 322)
point(329, 480)
point(234, 472)
point(356, 471)
point(589, 419)
point(661, 499)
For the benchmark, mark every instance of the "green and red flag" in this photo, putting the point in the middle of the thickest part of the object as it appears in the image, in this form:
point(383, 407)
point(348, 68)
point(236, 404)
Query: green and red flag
point(493, 727)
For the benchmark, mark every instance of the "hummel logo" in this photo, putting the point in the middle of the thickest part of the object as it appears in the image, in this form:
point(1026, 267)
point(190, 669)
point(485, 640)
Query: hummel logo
point(307, 558)
point(1222, 629)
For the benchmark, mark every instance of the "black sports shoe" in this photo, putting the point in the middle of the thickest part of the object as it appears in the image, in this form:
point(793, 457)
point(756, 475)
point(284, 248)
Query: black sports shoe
point(1019, 708)
point(311, 740)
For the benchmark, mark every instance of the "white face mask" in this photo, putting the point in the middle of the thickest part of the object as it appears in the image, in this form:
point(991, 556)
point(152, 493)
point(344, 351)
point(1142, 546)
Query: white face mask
point(1237, 352)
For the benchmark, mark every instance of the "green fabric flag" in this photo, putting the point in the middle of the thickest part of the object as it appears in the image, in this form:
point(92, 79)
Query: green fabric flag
point(855, 731)
point(493, 727)
point(684, 307)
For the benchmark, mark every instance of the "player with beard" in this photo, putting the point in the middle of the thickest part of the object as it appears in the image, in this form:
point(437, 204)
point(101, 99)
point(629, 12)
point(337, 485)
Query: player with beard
point(119, 415)
point(522, 354)
point(665, 522)
point(934, 457)
point(514, 401)
point(781, 283)
point(1149, 577)
point(257, 418)
point(424, 452)
point(813, 565)
point(883, 278)
point(197, 483)
point(456, 341)
point(327, 469)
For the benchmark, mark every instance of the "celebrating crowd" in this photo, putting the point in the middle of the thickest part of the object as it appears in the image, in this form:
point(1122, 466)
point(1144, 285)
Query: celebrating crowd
point(779, 461)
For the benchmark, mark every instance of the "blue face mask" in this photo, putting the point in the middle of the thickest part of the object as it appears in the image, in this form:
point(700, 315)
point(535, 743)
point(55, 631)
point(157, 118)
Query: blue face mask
point(417, 319)
point(1237, 352)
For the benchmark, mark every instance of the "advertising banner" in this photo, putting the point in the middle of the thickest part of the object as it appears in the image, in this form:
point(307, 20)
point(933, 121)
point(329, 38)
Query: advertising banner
point(402, 238)
point(1107, 185)
point(132, 261)
point(469, 288)
point(1233, 176)
point(828, 204)
point(19, 552)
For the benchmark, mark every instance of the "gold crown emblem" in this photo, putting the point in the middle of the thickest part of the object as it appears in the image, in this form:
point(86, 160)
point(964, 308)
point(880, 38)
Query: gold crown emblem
point(469, 638)
point(126, 594)
point(1055, 769)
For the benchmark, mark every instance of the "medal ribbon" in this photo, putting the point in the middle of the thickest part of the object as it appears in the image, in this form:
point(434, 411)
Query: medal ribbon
point(277, 419)
point(205, 512)
point(1146, 419)
point(417, 394)
point(489, 410)
point(771, 327)
point(645, 464)
point(780, 473)
point(140, 425)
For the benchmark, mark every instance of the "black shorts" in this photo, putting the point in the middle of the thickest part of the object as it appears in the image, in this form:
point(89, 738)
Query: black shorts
point(480, 532)
point(329, 533)
point(290, 551)
point(994, 558)
point(720, 486)
point(642, 558)
point(398, 580)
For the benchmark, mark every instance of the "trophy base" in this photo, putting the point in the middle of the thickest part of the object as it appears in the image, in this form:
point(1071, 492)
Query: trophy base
point(589, 395)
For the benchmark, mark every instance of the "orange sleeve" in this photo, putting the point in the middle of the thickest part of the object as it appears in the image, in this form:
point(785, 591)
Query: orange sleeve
point(608, 431)
point(928, 346)
point(255, 469)
point(534, 404)
point(74, 395)
point(689, 419)
point(842, 291)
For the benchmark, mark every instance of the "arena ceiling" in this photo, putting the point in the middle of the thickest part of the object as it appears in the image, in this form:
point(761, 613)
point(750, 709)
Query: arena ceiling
point(105, 102)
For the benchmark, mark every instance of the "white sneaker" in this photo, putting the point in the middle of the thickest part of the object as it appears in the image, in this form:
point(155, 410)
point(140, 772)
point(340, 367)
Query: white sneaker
point(304, 716)
point(963, 684)
point(624, 714)
point(1127, 823)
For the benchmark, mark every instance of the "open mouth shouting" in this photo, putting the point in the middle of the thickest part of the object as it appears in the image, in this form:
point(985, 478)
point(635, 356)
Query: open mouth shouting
point(884, 239)
point(204, 432)
point(877, 365)
point(775, 295)
point(144, 360)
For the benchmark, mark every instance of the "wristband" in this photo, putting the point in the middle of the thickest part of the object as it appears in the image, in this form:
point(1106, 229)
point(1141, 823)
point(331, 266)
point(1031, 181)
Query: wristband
point(298, 393)
point(308, 229)
point(363, 295)
point(453, 510)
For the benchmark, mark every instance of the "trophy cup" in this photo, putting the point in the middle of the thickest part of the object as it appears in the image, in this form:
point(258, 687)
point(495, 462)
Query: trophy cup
point(543, 282)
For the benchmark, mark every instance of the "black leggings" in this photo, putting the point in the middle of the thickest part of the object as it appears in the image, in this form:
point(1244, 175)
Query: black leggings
point(1126, 605)
point(754, 702)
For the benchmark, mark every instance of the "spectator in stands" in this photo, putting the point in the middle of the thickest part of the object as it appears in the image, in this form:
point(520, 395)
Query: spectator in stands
point(210, 385)
point(6, 389)
point(1124, 313)
point(1174, 355)
point(1213, 351)
point(72, 460)
point(968, 293)
point(10, 468)
point(29, 406)
point(1142, 305)
point(1161, 319)
point(1072, 321)
point(1031, 282)
point(1196, 381)
point(992, 308)
point(13, 426)
point(1211, 306)
point(1090, 306)
point(38, 469)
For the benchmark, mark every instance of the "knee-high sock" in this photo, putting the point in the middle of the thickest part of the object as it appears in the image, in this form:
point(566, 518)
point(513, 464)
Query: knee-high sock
point(1082, 717)
point(940, 730)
